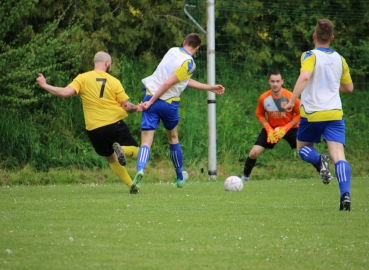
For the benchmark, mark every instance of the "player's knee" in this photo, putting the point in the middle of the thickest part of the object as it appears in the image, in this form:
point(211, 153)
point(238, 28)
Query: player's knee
point(254, 154)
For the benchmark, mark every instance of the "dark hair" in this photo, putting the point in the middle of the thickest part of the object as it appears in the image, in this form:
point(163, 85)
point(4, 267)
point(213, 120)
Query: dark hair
point(275, 72)
point(193, 40)
point(324, 31)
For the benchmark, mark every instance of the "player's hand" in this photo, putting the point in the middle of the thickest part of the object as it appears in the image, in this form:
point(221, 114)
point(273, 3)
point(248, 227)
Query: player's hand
point(218, 89)
point(138, 108)
point(281, 131)
point(145, 105)
point(41, 80)
point(130, 107)
point(289, 106)
point(271, 135)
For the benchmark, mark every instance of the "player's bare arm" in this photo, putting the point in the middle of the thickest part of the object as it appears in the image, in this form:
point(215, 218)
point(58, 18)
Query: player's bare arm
point(130, 107)
point(56, 91)
point(162, 89)
point(300, 85)
point(346, 88)
point(217, 89)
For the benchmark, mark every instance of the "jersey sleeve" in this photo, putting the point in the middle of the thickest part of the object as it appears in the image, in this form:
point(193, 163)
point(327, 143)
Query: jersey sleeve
point(186, 70)
point(77, 83)
point(346, 77)
point(120, 93)
point(260, 111)
point(296, 110)
point(307, 61)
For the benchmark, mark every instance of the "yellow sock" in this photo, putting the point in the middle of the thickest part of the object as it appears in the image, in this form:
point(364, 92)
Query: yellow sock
point(121, 172)
point(131, 151)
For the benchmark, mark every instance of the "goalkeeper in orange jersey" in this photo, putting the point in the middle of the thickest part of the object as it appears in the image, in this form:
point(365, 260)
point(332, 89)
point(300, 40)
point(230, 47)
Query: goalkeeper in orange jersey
point(105, 104)
point(279, 124)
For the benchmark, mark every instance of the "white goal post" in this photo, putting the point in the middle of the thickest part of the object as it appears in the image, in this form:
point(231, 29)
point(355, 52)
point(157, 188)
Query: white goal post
point(210, 38)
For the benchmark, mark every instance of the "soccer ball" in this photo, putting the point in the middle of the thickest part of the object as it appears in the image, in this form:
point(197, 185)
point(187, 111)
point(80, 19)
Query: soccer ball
point(233, 183)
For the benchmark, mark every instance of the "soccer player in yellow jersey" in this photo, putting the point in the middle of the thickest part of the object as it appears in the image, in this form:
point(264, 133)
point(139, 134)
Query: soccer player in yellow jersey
point(163, 90)
point(324, 74)
point(105, 104)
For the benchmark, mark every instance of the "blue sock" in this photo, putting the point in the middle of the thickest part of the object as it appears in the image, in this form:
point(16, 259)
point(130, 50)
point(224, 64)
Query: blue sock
point(177, 159)
point(309, 154)
point(143, 157)
point(343, 173)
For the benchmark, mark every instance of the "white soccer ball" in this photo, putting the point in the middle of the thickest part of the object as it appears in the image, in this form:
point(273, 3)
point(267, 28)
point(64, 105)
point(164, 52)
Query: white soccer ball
point(233, 183)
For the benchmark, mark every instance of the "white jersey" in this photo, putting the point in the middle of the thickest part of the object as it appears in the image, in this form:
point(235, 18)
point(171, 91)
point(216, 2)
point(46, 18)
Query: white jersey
point(176, 61)
point(322, 91)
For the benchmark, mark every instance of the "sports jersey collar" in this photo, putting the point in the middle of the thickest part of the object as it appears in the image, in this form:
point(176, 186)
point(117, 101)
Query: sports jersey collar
point(324, 49)
point(184, 50)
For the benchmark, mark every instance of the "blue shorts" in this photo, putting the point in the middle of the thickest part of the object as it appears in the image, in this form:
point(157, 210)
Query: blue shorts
point(329, 130)
point(160, 110)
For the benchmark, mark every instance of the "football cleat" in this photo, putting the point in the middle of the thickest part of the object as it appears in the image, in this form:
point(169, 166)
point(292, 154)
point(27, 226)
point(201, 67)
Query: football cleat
point(345, 202)
point(245, 178)
point(120, 153)
point(180, 183)
point(134, 190)
point(135, 187)
point(325, 175)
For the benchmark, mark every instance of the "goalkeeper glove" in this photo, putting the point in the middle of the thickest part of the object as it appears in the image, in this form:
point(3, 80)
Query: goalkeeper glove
point(280, 132)
point(272, 138)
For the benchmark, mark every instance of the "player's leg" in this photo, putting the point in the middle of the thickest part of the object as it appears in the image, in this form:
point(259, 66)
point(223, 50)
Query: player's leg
point(250, 162)
point(335, 136)
point(258, 148)
point(149, 122)
point(143, 156)
point(102, 142)
point(131, 151)
point(170, 119)
point(176, 156)
point(308, 134)
point(119, 170)
point(124, 144)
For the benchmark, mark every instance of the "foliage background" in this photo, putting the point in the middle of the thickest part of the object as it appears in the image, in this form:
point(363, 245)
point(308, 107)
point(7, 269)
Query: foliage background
point(60, 38)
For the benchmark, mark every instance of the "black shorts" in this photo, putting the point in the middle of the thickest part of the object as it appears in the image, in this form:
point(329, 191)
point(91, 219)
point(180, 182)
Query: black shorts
point(102, 138)
point(290, 137)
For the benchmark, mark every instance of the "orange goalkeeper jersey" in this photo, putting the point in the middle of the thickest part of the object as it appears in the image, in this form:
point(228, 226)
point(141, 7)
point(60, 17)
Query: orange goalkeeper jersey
point(273, 108)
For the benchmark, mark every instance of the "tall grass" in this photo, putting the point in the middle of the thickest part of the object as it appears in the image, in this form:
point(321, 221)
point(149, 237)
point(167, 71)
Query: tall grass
point(54, 136)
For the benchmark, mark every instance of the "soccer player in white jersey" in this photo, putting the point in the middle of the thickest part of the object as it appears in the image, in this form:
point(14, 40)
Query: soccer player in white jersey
point(324, 74)
point(163, 89)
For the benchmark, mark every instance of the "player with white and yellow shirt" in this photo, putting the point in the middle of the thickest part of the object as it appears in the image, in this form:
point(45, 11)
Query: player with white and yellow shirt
point(324, 74)
point(163, 89)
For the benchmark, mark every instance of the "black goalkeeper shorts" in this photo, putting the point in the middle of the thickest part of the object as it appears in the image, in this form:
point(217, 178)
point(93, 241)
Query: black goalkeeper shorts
point(290, 137)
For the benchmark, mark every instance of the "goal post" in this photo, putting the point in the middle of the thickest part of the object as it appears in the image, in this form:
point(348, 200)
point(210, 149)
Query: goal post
point(211, 97)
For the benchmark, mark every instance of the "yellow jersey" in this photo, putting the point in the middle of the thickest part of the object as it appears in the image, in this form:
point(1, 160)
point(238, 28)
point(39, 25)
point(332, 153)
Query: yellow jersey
point(102, 95)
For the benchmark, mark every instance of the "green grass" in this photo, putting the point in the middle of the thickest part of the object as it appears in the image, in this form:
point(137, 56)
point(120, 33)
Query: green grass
point(271, 224)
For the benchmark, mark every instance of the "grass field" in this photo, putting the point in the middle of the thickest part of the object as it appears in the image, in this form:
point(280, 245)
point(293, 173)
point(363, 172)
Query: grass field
point(271, 224)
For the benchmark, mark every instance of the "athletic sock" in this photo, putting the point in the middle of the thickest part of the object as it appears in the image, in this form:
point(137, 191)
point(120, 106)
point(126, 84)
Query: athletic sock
point(177, 159)
point(143, 157)
point(121, 172)
point(310, 155)
point(131, 152)
point(343, 173)
point(249, 165)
